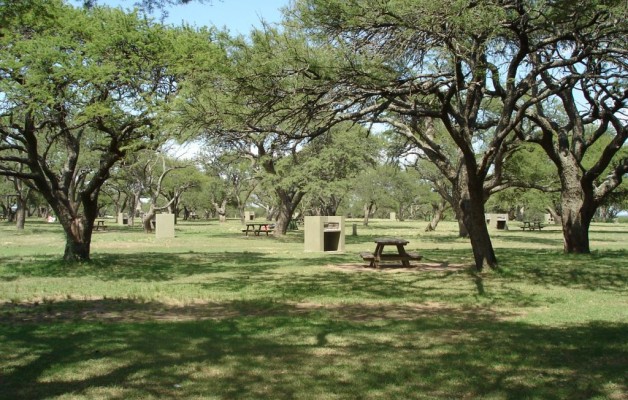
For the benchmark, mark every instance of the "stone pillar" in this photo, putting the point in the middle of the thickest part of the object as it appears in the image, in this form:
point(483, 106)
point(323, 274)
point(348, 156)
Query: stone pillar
point(164, 226)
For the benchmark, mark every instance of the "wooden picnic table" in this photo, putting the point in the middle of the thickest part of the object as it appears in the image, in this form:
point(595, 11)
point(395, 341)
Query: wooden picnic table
point(532, 225)
point(257, 228)
point(100, 224)
point(378, 256)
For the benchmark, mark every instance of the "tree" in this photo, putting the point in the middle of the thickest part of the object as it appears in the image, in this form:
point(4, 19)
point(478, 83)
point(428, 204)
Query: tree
point(586, 71)
point(81, 90)
point(252, 115)
point(472, 66)
point(330, 163)
point(231, 178)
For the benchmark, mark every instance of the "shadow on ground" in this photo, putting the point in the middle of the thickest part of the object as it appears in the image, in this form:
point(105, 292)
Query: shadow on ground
point(280, 350)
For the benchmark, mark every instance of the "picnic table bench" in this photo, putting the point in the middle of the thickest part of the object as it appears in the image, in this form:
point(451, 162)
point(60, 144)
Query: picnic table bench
point(378, 256)
point(258, 228)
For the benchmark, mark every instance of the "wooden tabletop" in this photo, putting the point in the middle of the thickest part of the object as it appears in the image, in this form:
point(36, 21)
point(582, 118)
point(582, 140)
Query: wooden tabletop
point(391, 241)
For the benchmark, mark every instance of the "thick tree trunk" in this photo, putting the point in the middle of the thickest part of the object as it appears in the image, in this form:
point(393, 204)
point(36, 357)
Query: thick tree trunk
point(147, 220)
point(76, 249)
point(20, 214)
point(472, 208)
point(577, 206)
point(288, 204)
point(475, 222)
point(78, 230)
point(221, 210)
point(577, 212)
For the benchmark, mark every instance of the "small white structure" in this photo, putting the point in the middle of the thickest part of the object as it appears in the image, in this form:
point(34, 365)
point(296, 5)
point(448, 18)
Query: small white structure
point(249, 216)
point(393, 216)
point(497, 221)
point(326, 233)
point(122, 219)
point(164, 226)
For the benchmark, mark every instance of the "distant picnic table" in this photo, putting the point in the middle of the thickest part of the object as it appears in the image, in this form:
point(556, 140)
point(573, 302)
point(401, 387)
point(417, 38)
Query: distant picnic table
point(100, 224)
point(532, 225)
point(258, 228)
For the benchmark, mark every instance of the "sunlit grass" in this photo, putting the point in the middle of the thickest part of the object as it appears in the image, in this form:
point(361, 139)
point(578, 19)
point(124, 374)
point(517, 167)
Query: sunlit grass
point(213, 314)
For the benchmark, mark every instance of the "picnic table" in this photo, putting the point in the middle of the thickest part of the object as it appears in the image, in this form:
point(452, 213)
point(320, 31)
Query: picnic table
point(532, 225)
point(100, 224)
point(378, 256)
point(258, 228)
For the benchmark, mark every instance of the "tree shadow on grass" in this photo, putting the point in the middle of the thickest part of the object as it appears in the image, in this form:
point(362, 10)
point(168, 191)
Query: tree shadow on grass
point(555, 241)
point(289, 351)
point(146, 266)
point(604, 270)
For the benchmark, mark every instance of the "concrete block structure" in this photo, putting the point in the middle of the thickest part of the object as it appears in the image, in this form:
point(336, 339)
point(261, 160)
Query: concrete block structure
point(497, 221)
point(324, 234)
point(164, 226)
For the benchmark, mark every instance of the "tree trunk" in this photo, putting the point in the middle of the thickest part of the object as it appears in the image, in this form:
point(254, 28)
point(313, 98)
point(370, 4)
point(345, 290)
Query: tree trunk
point(472, 200)
point(20, 214)
point(577, 204)
point(221, 210)
point(557, 218)
point(475, 222)
point(78, 229)
point(147, 221)
point(457, 196)
point(76, 250)
point(288, 204)
point(439, 210)
point(368, 208)
point(577, 209)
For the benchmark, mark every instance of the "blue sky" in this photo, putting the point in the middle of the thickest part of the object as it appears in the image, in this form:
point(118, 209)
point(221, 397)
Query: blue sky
point(236, 15)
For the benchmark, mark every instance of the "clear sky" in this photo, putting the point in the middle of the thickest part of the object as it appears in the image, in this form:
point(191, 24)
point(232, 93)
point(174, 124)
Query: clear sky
point(238, 16)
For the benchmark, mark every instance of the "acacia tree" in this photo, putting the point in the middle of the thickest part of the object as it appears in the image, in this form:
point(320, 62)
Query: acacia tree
point(332, 161)
point(230, 178)
point(76, 82)
point(588, 72)
point(254, 112)
point(473, 66)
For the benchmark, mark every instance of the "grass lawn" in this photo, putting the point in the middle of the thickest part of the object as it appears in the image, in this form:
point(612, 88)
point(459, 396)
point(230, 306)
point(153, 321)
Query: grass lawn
point(213, 314)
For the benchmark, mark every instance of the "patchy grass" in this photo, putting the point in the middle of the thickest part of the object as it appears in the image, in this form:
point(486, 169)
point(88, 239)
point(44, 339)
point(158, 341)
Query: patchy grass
point(213, 314)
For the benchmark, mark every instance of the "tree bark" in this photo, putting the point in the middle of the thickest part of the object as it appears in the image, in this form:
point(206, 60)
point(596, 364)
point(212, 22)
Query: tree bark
point(20, 214)
point(221, 210)
point(368, 209)
point(577, 209)
point(475, 222)
point(288, 204)
point(439, 209)
point(472, 199)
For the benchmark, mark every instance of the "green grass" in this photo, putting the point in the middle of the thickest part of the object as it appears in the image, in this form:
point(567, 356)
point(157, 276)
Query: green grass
point(215, 315)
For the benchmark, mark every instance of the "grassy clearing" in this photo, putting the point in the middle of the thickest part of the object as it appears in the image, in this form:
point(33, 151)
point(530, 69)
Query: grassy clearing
point(213, 314)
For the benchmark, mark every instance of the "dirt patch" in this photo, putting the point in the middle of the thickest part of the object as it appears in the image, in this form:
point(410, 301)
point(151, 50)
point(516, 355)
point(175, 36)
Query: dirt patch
point(414, 267)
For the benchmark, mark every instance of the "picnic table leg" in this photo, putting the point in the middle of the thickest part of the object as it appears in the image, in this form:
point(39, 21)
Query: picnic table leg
point(402, 252)
point(378, 253)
